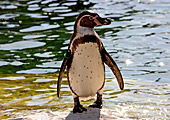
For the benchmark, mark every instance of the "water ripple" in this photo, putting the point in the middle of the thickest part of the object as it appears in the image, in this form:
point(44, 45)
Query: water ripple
point(44, 26)
point(21, 45)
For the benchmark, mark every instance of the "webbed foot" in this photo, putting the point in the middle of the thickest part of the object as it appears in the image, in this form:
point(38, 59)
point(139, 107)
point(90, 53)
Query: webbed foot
point(79, 109)
point(96, 105)
point(98, 102)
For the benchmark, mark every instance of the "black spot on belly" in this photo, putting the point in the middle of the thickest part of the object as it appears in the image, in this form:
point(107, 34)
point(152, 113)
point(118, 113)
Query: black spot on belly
point(79, 53)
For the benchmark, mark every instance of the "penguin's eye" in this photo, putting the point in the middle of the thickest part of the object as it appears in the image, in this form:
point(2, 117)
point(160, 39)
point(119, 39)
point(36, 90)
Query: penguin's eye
point(90, 18)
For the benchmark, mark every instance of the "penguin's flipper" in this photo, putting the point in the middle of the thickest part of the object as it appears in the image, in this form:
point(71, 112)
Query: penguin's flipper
point(107, 59)
point(63, 67)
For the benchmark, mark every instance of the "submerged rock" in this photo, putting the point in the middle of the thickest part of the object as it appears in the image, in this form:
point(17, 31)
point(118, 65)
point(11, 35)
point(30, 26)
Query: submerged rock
point(67, 114)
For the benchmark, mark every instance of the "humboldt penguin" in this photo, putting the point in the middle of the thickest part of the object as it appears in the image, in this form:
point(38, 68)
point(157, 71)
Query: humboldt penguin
point(85, 60)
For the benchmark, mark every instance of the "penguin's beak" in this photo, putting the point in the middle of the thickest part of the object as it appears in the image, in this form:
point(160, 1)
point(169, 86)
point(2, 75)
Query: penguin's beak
point(102, 21)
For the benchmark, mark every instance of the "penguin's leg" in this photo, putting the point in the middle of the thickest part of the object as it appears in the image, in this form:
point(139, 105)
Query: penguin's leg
point(98, 102)
point(77, 106)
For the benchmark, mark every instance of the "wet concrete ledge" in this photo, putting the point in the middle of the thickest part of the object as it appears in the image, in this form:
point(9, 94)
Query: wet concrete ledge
point(67, 114)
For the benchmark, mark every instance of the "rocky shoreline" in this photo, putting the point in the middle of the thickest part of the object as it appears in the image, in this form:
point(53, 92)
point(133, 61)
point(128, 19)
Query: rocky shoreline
point(67, 114)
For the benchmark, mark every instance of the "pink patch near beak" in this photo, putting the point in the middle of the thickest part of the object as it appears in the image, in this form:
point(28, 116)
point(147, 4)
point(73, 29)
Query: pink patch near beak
point(96, 21)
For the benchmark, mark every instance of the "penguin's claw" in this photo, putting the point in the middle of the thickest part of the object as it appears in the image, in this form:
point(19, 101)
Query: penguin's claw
point(79, 109)
point(96, 105)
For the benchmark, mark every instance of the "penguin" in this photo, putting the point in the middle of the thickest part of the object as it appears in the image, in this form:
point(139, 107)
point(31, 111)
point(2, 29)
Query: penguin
point(85, 62)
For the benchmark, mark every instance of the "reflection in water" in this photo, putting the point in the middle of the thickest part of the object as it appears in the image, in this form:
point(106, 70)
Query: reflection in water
point(34, 35)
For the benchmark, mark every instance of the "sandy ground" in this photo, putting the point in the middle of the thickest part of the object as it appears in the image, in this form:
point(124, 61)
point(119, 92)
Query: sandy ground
point(67, 114)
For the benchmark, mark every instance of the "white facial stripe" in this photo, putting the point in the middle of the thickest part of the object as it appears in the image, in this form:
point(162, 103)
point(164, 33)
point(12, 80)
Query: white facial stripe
point(87, 16)
point(94, 18)
point(82, 18)
point(90, 11)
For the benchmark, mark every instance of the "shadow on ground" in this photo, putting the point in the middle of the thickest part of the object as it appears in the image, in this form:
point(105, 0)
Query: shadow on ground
point(91, 113)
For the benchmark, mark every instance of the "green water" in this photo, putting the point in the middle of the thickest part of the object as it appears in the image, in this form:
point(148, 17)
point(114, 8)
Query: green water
point(34, 36)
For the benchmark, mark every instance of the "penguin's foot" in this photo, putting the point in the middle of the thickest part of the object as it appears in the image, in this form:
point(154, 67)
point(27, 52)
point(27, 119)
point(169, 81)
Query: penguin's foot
point(96, 105)
point(77, 106)
point(79, 109)
point(98, 102)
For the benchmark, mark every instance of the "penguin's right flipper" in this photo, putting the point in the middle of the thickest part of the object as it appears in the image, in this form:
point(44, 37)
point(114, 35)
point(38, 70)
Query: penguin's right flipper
point(63, 67)
point(107, 59)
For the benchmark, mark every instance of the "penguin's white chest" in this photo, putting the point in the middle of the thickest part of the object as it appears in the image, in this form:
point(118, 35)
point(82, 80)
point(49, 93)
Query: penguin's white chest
point(86, 74)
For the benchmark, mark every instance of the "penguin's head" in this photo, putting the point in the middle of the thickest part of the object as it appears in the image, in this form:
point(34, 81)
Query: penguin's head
point(90, 19)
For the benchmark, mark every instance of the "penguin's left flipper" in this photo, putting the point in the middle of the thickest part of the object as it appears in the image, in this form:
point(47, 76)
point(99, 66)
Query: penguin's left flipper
point(63, 67)
point(107, 59)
